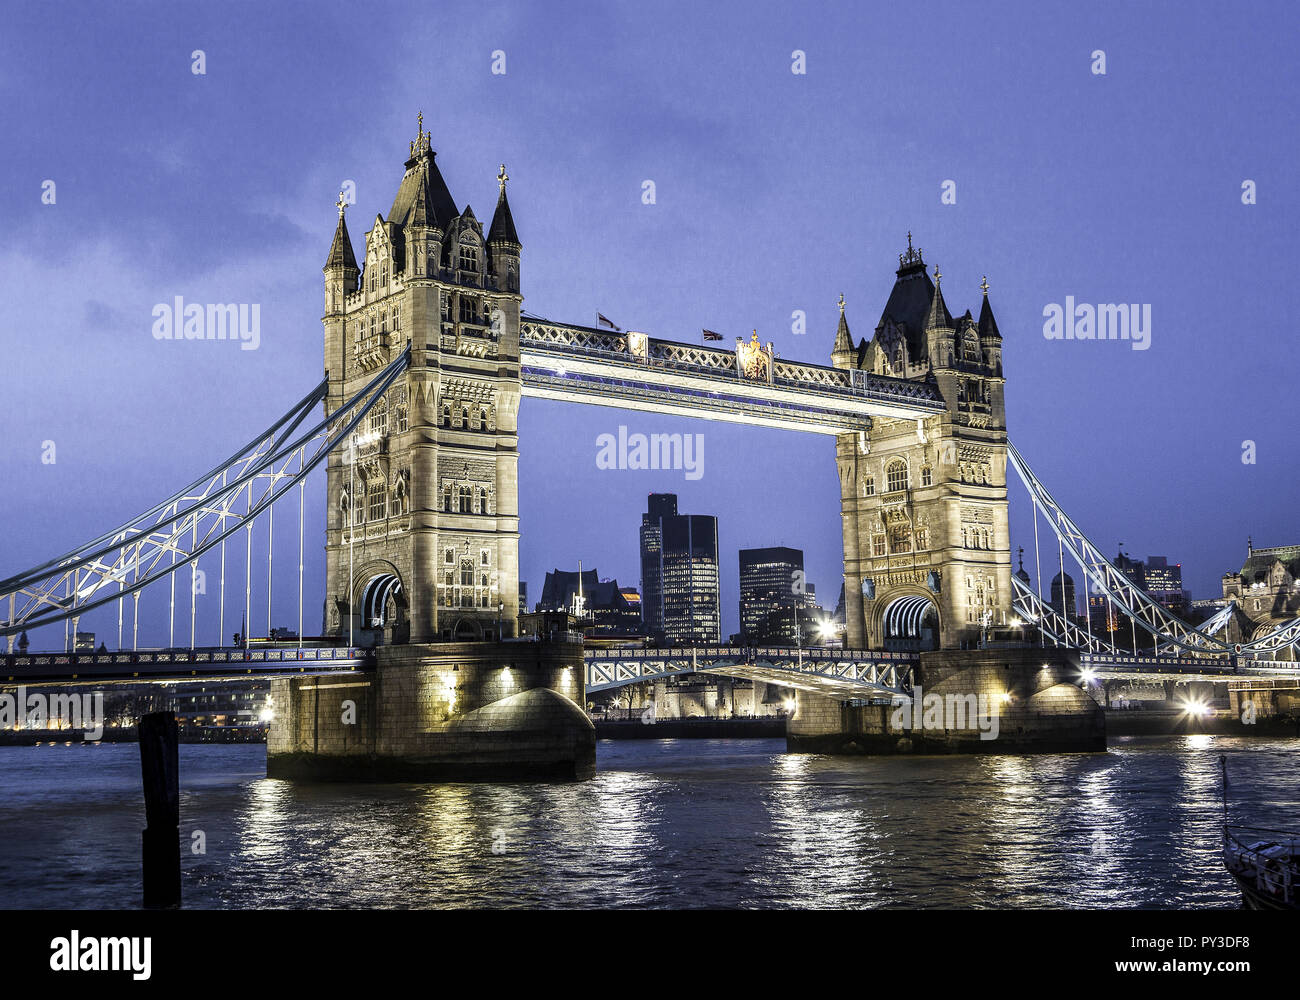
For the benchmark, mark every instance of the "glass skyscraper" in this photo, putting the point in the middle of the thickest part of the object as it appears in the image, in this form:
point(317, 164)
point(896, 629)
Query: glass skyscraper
point(679, 573)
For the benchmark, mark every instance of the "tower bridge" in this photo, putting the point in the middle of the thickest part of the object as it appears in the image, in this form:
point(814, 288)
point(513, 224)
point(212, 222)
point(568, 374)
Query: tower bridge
point(427, 355)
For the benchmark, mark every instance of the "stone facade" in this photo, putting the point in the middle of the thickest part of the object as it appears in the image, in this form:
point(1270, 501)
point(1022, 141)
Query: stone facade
point(423, 522)
point(1039, 709)
point(445, 712)
point(1267, 592)
point(924, 502)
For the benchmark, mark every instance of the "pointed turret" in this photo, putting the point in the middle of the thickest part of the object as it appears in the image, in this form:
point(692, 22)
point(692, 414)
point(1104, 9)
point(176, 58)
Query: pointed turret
point(341, 254)
point(503, 241)
point(503, 224)
point(843, 353)
point(938, 318)
point(988, 325)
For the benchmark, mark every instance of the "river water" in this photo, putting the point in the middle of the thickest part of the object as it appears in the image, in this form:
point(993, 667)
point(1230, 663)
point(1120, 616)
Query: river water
point(685, 823)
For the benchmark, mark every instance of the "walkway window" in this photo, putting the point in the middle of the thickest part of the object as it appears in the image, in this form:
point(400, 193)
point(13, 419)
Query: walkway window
point(377, 502)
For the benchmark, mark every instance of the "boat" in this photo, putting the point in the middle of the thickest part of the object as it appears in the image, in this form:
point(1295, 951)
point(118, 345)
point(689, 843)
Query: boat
point(1265, 864)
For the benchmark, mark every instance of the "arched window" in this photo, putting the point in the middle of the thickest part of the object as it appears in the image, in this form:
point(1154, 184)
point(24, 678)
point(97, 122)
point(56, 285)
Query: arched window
point(468, 256)
point(446, 415)
point(927, 476)
point(900, 539)
point(446, 505)
point(896, 475)
point(464, 416)
point(466, 500)
point(482, 418)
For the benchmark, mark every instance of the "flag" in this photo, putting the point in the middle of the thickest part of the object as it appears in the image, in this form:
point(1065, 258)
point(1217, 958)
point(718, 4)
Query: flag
point(603, 320)
point(710, 335)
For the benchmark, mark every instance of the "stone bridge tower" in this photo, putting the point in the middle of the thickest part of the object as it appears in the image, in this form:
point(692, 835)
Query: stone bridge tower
point(927, 551)
point(422, 539)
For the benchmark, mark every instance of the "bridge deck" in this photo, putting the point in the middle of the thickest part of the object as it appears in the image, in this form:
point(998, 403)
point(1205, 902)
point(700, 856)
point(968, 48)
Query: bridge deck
point(581, 364)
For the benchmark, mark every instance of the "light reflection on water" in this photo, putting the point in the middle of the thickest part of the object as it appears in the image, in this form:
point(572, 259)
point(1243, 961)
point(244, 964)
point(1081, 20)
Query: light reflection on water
point(664, 824)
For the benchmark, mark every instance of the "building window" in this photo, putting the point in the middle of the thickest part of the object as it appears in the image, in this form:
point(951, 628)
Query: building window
point(869, 486)
point(896, 475)
point(446, 505)
point(379, 420)
point(922, 540)
point(468, 257)
point(483, 418)
point(446, 415)
point(900, 539)
point(466, 500)
point(449, 556)
point(402, 424)
point(927, 476)
point(878, 545)
point(483, 557)
point(377, 502)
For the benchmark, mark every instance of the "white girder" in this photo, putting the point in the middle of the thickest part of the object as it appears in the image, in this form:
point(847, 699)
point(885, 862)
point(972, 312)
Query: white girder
point(1053, 624)
point(1123, 593)
point(904, 616)
point(861, 673)
point(182, 528)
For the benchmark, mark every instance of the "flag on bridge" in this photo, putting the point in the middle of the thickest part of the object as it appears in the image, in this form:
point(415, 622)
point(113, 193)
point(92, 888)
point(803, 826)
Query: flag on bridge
point(603, 320)
point(710, 335)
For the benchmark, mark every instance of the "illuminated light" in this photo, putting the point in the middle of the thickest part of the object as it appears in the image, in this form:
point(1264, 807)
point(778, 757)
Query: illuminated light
point(1006, 697)
point(267, 714)
point(506, 678)
point(1196, 708)
point(1089, 676)
point(790, 704)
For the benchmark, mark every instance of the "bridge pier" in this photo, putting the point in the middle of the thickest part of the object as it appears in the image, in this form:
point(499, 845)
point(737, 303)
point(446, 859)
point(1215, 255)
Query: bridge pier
point(447, 712)
point(1019, 700)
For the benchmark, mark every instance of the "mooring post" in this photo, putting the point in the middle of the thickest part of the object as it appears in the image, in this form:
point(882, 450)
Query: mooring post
point(160, 769)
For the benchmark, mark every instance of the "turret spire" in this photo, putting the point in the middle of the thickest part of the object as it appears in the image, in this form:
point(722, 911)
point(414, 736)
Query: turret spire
point(939, 318)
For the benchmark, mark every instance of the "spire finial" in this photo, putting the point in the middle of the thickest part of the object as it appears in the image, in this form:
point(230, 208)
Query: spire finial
point(937, 275)
point(909, 242)
point(341, 204)
point(502, 177)
point(841, 303)
point(1021, 551)
point(421, 141)
point(984, 286)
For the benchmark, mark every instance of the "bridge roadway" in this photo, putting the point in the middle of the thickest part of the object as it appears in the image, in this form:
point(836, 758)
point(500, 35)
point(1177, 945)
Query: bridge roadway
point(837, 673)
point(632, 371)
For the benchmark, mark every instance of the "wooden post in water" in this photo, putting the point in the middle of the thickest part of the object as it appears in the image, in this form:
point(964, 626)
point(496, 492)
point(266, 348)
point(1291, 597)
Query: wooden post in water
point(160, 769)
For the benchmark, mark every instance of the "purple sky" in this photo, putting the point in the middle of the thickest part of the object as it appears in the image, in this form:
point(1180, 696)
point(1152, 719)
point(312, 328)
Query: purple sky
point(775, 192)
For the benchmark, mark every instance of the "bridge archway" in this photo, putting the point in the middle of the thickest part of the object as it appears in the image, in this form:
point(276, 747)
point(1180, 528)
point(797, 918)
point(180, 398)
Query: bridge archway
point(908, 622)
point(382, 604)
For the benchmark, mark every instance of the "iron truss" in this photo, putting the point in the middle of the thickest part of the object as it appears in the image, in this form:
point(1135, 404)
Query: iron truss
point(1126, 596)
point(1053, 624)
point(176, 532)
point(845, 672)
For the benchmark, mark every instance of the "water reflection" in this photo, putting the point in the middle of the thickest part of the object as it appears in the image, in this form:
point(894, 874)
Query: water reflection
point(687, 823)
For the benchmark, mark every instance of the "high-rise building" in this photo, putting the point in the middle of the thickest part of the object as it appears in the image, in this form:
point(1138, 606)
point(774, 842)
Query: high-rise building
point(679, 573)
point(770, 578)
point(659, 506)
point(1165, 584)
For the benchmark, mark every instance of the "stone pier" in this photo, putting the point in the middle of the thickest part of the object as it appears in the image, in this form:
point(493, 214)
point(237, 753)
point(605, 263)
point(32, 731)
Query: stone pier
point(481, 711)
point(1015, 700)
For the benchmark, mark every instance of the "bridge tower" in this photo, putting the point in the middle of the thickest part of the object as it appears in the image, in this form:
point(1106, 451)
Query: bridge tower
point(423, 524)
point(927, 548)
